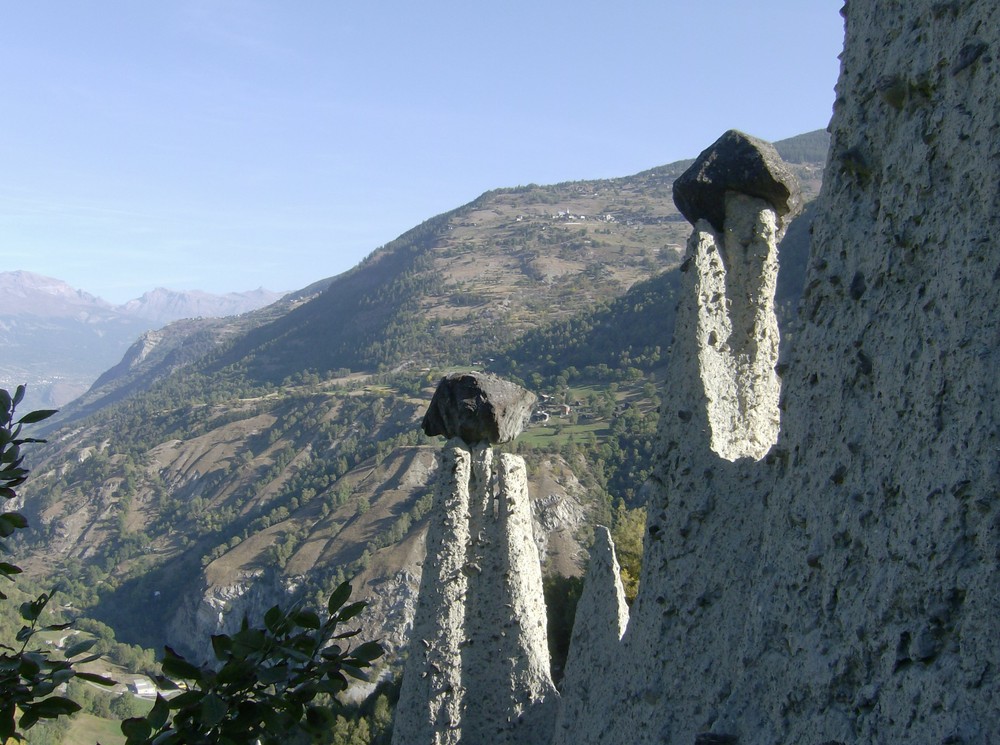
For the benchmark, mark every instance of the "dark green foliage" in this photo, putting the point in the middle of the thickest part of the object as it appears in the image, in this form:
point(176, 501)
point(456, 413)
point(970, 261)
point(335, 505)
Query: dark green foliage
point(29, 675)
point(561, 597)
point(631, 331)
point(277, 684)
point(627, 531)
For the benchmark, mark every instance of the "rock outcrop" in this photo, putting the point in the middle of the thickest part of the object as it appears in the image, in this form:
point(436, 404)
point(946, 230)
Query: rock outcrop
point(478, 666)
point(602, 617)
point(823, 568)
point(832, 577)
point(732, 264)
point(841, 585)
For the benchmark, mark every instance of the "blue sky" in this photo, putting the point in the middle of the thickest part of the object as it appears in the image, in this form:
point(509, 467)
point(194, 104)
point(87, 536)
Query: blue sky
point(224, 145)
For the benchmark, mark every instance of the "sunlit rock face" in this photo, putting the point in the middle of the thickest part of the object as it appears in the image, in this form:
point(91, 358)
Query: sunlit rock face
point(737, 194)
point(821, 563)
point(844, 588)
point(478, 669)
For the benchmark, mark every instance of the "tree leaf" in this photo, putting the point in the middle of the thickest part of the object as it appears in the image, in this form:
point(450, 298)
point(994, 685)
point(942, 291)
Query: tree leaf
point(36, 416)
point(53, 706)
point(368, 651)
point(136, 729)
point(307, 619)
point(251, 640)
point(11, 521)
point(176, 666)
point(222, 645)
point(273, 674)
point(29, 666)
point(95, 678)
point(186, 699)
point(351, 611)
point(79, 648)
point(273, 619)
point(213, 710)
point(7, 711)
point(157, 716)
point(339, 597)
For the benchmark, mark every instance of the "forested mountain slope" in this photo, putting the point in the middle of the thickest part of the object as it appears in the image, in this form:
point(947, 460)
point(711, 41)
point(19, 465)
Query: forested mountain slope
point(235, 462)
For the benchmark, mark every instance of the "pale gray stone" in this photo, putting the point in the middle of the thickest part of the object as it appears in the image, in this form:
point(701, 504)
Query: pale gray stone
point(601, 619)
point(844, 588)
point(432, 692)
point(479, 669)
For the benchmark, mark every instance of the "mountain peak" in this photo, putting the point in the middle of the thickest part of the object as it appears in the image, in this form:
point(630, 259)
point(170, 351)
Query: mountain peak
point(24, 293)
point(162, 305)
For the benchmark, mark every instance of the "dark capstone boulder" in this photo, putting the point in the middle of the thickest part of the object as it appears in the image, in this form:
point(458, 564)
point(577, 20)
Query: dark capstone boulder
point(478, 407)
point(740, 163)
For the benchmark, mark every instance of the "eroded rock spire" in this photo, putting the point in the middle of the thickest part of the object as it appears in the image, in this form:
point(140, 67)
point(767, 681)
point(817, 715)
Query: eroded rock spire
point(601, 618)
point(737, 193)
point(478, 670)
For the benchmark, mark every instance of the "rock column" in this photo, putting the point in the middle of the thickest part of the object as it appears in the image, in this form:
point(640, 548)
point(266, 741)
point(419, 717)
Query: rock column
point(601, 617)
point(736, 194)
point(430, 702)
point(478, 670)
point(690, 628)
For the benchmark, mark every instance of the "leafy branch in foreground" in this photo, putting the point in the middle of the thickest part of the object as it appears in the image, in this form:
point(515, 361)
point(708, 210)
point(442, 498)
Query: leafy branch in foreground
point(276, 684)
point(29, 677)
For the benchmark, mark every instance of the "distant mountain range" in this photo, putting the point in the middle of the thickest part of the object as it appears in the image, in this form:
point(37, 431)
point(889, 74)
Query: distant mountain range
point(59, 339)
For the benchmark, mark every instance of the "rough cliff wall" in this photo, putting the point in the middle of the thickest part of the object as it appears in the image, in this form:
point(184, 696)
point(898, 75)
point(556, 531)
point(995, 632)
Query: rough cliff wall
point(846, 587)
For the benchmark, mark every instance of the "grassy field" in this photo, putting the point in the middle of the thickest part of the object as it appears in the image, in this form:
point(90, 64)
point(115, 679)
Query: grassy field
point(86, 728)
point(560, 434)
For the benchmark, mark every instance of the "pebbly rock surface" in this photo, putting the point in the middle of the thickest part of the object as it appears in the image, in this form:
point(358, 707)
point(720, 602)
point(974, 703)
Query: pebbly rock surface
point(432, 695)
point(478, 407)
point(602, 616)
point(733, 327)
point(478, 669)
point(739, 163)
point(834, 580)
point(506, 668)
point(844, 587)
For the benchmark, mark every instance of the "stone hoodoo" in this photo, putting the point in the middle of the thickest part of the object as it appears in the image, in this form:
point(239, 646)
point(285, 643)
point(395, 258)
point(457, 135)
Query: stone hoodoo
point(601, 618)
point(736, 194)
point(478, 667)
point(836, 582)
